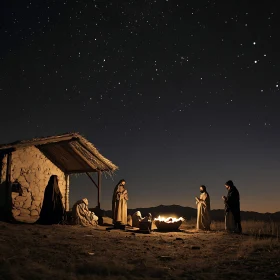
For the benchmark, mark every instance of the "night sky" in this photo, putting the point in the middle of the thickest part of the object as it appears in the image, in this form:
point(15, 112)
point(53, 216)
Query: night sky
point(176, 93)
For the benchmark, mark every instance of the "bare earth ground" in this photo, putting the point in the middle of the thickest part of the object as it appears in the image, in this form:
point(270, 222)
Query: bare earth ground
point(74, 252)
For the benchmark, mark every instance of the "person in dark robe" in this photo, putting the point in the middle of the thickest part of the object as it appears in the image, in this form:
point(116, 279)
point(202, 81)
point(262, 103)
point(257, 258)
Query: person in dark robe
point(52, 211)
point(232, 208)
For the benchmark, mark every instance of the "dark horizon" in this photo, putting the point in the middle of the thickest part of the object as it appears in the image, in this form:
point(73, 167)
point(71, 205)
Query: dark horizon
point(170, 213)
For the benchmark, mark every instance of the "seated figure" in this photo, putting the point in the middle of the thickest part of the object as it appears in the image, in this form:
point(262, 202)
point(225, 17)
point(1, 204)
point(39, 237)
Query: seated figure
point(146, 223)
point(136, 218)
point(82, 215)
point(147, 219)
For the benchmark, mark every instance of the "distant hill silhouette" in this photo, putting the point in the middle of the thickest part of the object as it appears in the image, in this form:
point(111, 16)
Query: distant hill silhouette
point(190, 213)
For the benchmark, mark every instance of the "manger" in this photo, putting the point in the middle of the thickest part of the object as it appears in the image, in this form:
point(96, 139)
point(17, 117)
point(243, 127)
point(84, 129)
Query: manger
point(168, 224)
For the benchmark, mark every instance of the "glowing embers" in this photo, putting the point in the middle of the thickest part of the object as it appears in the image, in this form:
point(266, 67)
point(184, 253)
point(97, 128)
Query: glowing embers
point(168, 224)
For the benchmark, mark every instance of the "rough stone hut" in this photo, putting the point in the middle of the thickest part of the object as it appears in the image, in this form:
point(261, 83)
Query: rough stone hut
point(26, 167)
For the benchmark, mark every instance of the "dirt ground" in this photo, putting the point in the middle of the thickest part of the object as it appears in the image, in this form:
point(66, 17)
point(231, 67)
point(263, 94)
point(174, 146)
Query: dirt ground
point(73, 252)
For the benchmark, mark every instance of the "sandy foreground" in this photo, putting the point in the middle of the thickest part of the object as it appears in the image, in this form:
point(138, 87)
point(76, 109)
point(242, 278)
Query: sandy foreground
point(74, 252)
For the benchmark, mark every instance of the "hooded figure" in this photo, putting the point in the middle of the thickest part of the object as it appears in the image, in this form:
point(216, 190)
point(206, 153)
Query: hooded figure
point(119, 203)
point(53, 211)
point(136, 219)
point(82, 215)
point(232, 208)
point(203, 210)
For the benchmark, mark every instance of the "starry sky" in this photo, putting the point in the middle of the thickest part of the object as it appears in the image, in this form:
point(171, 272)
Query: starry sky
point(176, 93)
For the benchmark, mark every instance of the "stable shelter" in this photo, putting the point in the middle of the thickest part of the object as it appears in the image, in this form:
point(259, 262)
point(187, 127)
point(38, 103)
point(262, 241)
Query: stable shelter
point(34, 171)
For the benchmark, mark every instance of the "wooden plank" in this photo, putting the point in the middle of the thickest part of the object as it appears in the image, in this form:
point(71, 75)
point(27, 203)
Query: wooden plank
point(56, 143)
point(66, 192)
point(38, 142)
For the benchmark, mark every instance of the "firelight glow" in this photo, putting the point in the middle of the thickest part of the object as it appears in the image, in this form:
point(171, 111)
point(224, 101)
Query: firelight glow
point(169, 219)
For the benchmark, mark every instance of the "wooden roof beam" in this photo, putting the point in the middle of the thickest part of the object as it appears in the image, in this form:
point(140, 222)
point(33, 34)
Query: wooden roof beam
point(40, 142)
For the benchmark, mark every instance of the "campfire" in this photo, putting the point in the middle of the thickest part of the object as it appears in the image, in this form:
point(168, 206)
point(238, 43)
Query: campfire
point(168, 224)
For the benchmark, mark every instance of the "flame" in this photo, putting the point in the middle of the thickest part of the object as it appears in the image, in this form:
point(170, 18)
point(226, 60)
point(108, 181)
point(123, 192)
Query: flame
point(169, 219)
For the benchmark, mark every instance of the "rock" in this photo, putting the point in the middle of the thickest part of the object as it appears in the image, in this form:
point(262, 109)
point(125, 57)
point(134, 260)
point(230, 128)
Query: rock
point(25, 193)
point(34, 213)
point(15, 212)
point(17, 204)
point(30, 177)
point(20, 198)
point(16, 172)
point(26, 219)
point(33, 207)
point(35, 194)
point(27, 204)
point(36, 202)
point(195, 247)
point(24, 214)
point(22, 181)
point(24, 211)
point(14, 195)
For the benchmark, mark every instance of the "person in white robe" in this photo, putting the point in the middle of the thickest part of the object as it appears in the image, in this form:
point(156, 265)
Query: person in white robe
point(203, 210)
point(119, 203)
point(136, 219)
point(82, 215)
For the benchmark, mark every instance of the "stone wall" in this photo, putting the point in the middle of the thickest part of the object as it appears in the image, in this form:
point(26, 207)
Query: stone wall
point(31, 171)
point(3, 181)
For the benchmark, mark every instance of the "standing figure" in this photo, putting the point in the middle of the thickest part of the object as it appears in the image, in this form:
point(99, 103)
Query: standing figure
point(53, 211)
point(232, 208)
point(203, 210)
point(119, 203)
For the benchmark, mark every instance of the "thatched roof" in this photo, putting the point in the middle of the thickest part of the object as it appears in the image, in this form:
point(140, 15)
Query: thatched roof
point(71, 152)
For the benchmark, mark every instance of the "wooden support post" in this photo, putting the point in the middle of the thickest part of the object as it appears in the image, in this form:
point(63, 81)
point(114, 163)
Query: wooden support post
point(9, 186)
point(66, 192)
point(99, 188)
point(91, 179)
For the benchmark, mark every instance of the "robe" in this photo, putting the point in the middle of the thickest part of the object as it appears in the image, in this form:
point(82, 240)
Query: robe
point(232, 211)
point(229, 222)
point(82, 215)
point(136, 219)
point(53, 211)
point(119, 205)
point(146, 223)
point(203, 212)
